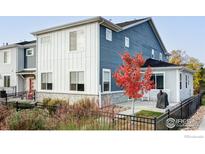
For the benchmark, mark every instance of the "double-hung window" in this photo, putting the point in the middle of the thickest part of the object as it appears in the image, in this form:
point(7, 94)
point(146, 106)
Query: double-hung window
point(6, 81)
point(106, 80)
point(76, 40)
point(127, 42)
point(186, 81)
point(73, 41)
point(6, 57)
point(180, 81)
point(158, 80)
point(77, 81)
point(46, 81)
point(108, 34)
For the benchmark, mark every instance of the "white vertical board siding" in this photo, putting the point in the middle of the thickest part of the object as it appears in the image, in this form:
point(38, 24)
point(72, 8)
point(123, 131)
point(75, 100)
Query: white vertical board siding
point(55, 57)
point(170, 83)
point(8, 69)
point(186, 92)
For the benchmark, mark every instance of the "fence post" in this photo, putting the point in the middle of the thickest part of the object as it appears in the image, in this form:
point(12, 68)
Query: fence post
point(6, 99)
point(100, 97)
point(155, 123)
point(181, 106)
point(168, 114)
point(17, 106)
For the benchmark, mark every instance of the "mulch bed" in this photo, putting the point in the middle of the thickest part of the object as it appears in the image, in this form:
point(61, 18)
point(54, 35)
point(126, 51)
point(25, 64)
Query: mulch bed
point(196, 119)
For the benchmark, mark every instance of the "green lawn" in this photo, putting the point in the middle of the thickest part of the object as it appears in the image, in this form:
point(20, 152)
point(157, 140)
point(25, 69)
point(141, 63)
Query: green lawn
point(148, 114)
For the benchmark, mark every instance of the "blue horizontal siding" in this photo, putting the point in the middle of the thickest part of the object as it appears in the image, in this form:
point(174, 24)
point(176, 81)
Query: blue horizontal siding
point(142, 40)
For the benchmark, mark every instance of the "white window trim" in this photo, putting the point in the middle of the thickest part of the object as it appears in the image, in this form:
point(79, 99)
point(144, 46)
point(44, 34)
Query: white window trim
point(153, 54)
point(48, 37)
point(106, 70)
point(74, 91)
point(46, 90)
point(127, 42)
point(28, 54)
point(9, 57)
point(180, 81)
point(160, 56)
point(68, 40)
point(108, 31)
point(3, 79)
point(164, 77)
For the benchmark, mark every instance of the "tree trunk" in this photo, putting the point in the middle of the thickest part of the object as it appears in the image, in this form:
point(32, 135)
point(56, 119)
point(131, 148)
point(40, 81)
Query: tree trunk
point(133, 107)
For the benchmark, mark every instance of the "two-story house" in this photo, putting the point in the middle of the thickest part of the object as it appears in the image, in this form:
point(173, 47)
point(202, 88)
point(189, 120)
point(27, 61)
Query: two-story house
point(18, 67)
point(78, 59)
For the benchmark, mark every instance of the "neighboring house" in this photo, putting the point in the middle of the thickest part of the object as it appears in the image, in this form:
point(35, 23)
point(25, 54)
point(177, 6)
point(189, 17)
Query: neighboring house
point(18, 67)
point(78, 59)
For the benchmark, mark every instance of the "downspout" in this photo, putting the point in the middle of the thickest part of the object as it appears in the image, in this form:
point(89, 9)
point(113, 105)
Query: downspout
point(99, 85)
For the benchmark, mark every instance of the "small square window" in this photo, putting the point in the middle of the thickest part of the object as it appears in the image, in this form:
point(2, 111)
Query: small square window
point(29, 52)
point(160, 56)
point(153, 54)
point(108, 34)
point(127, 42)
point(45, 39)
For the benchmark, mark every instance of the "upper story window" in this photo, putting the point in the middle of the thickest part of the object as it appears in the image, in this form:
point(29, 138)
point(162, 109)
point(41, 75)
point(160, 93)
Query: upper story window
point(29, 52)
point(108, 34)
point(45, 39)
point(76, 40)
point(77, 81)
point(46, 81)
point(127, 42)
point(6, 81)
point(106, 80)
point(153, 52)
point(73, 41)
point(7, 57)
point(160, 56)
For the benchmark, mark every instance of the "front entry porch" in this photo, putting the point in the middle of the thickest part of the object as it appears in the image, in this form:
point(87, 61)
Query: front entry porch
point(28, 83)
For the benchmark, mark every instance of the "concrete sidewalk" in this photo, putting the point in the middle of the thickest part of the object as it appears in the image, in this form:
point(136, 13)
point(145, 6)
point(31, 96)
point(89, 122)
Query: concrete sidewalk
point(202, 125)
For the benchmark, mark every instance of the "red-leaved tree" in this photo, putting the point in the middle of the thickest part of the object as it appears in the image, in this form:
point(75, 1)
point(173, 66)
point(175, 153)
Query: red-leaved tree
point(129, 77)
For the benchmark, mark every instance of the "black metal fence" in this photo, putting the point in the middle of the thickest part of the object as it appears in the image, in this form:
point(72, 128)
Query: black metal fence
point(181, 113)
point(105, 120)
point(22, 95)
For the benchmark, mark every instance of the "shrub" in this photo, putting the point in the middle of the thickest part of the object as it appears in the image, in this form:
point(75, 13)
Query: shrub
point(35, 119)
point(4, 113)
point(53, 102)
point(75, 116)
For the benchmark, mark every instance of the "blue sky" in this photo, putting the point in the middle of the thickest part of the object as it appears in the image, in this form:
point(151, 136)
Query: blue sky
point(184, 33)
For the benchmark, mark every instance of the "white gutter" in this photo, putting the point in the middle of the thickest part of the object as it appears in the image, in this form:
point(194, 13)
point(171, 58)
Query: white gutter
point(170, 68)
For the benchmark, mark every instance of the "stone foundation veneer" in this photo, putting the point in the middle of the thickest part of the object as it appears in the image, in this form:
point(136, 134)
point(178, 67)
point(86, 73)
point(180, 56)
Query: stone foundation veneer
point(113, 98)
point(71, 97)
